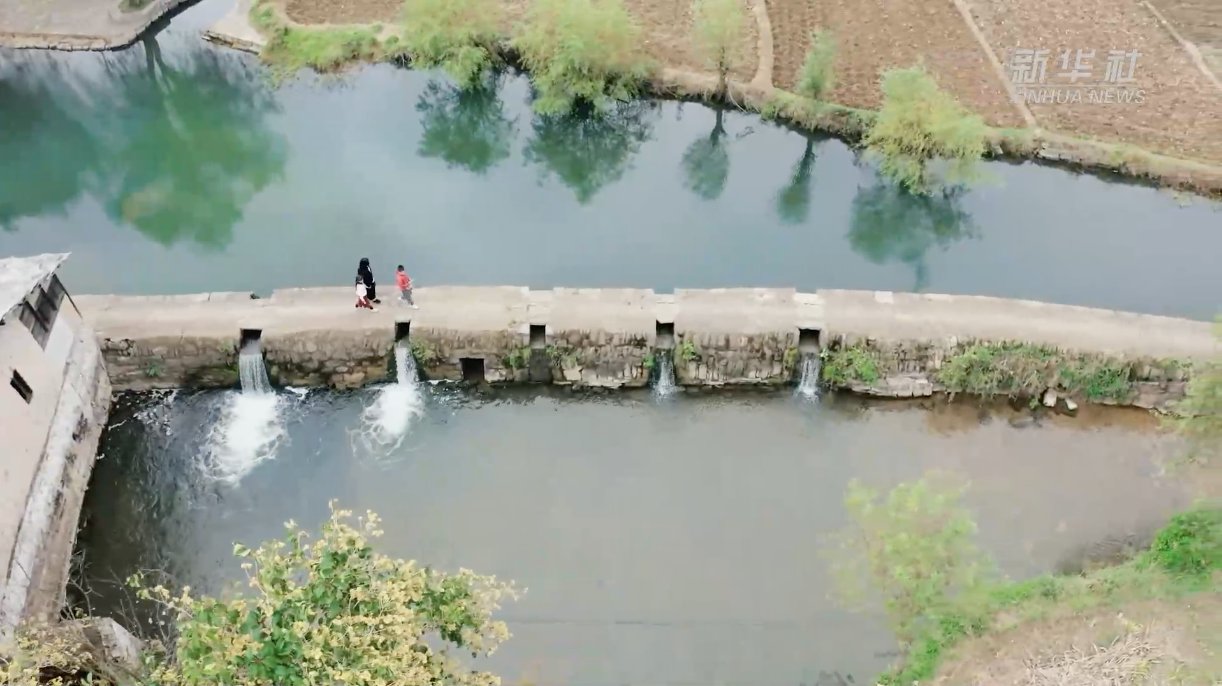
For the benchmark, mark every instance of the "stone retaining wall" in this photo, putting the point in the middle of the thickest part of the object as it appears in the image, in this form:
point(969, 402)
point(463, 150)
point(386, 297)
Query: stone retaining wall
point(608, 338)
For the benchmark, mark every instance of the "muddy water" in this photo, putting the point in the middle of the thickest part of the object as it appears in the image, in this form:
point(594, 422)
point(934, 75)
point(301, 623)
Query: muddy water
point(661, 543)
point(183, 163)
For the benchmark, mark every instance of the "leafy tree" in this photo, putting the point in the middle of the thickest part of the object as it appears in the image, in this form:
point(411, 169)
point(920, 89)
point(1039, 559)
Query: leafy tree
point(793, 202)
point(465, 127)
point(924, 139)
point(912, 547)
point(889, 223)
point(581, 51)
point(333, 611)
point(817, 75)
point(719, 31)
point(589, 150)
point(458, 36)
point(706, 163)
point(1198, 417)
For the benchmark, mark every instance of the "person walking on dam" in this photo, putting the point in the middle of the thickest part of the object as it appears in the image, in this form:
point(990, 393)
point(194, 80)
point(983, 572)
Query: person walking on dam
point(404, 283)
point(365, 273)
point(362, 295)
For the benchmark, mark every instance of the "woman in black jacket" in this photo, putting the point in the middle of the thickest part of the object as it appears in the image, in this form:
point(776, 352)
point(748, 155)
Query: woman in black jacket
point(364, 271)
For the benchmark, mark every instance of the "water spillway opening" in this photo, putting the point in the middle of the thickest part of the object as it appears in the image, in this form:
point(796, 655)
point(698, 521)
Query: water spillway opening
point(664, 335)
point(808, 340)
point(472, 369)
point(402, 330)
point(539, 363)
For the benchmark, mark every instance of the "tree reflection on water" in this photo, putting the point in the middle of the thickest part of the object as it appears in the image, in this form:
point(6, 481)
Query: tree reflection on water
point(173, 147)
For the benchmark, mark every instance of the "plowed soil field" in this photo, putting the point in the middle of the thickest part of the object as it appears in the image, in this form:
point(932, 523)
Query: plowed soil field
point(1181, 112)
point(874, 35)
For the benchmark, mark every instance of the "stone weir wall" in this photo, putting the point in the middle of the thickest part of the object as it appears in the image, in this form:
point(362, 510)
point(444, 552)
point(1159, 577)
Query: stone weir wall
point(612, 338)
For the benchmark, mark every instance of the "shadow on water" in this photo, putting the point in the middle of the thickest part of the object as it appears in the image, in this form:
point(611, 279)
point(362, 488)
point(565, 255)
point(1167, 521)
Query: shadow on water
point(588, 150)
point(706, 162)
point(174, 146)
point(466, 128)
point(890, 224)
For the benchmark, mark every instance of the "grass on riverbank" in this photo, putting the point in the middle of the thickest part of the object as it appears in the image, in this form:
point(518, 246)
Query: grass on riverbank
point(293, 46)
point(1181, 568)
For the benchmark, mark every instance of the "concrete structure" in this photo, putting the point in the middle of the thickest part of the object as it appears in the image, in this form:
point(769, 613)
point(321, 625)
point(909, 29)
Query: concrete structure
point(53, 406)
point(76, 24)
point(608, 338)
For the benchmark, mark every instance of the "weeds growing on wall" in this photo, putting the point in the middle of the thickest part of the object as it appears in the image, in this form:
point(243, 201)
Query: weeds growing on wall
point(1020, 369)
point(846, 366)
point(1198, 418)
point(923, 138)
point(649, 363)
point(517, 358)
point(581, 51)
point(426, 353)
point(719, 27)
point(458, 36)
point(817, 76)
point(687, 351)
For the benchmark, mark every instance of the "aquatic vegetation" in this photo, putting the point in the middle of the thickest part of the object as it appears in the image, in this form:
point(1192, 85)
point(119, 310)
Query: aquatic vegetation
point(719, 30)
point(923, 138)
point(581, 51)
point(817, 76)
point(459, 36)
point(848, 365)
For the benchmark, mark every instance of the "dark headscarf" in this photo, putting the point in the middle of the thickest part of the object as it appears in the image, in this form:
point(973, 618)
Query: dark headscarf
point(365, 272)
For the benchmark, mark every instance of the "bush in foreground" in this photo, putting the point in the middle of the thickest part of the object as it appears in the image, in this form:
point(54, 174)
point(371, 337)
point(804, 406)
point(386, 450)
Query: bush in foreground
point(913, 547)
point(924, 139)
point(458, 36)
point(580, 51)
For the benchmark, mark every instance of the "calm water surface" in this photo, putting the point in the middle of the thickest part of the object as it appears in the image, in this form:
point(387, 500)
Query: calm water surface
point(176, 166)
point(671, 543)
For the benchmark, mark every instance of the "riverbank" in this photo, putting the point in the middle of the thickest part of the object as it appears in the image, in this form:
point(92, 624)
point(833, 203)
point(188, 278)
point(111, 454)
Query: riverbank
point(339, 42)
point(876, 343)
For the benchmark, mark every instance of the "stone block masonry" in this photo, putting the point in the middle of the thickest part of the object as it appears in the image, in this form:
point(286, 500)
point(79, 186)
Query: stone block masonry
point(607, 338)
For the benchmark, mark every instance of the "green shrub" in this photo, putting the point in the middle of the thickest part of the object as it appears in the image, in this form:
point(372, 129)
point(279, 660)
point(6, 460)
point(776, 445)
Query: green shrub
point(817, 76)
point(719, 30)
point(581, 51)
point(458, 36)
point(1198, 418)
point(1191, 544)
point(687, 351)
point(1024, 370)
point(426, 353)
point(923, 138)
point(913, 548)
point(332, 611)
point(846, 366)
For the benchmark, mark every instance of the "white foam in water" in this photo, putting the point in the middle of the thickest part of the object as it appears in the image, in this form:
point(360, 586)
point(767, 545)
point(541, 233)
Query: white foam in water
point(247, 434)
point(250, 426)
point(664, 384)
point(808, 384)
point(387, 419)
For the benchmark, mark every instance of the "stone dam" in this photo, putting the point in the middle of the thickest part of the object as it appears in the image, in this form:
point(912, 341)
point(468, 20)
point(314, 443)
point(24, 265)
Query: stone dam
point(608, 338)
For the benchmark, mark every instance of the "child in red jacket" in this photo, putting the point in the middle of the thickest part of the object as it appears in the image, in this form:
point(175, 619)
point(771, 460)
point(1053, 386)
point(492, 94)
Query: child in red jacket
point(404, 282)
